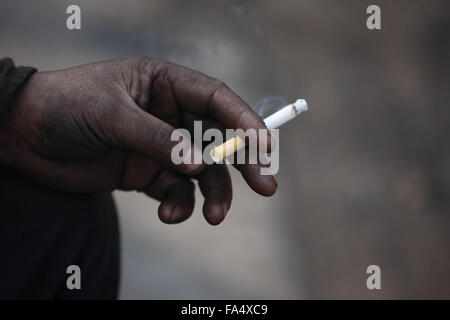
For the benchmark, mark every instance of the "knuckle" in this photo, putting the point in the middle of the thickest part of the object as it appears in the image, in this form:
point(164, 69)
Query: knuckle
point(157, 64)
point(150, 66)
point(218, 85)
point(145, 61)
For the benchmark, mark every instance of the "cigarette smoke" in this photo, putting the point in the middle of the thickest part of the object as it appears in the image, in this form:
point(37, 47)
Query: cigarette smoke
point(269, 105)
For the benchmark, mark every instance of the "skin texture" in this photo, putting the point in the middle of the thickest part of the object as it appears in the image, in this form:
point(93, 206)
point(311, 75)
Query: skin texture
point(107, 126)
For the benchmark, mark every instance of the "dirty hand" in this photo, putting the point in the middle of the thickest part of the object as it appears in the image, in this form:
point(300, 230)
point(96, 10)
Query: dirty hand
point(108, 125)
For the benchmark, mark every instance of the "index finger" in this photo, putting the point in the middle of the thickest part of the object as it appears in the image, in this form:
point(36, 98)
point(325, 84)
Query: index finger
point(200, 94)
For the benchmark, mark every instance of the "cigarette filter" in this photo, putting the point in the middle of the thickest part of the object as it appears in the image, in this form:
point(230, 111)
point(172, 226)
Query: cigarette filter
point(273, 121)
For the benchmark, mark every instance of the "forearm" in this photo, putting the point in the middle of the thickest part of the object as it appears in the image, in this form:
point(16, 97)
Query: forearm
point(12, 79)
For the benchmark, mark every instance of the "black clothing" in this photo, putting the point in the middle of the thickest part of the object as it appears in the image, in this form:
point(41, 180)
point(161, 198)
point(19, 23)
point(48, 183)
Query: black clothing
point(44, 231)
point(11, 79)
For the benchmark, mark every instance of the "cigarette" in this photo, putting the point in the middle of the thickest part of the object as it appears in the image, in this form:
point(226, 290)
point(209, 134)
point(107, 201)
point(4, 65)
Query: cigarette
point(273, 121)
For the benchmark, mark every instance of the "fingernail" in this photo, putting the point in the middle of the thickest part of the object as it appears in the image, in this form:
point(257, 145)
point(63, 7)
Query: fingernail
point(177, 215)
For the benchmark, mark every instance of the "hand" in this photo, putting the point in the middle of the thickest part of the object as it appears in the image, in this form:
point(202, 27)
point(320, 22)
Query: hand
point(107, 126)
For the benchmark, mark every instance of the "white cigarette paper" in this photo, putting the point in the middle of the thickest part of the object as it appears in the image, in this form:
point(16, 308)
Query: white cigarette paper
point(273, 121)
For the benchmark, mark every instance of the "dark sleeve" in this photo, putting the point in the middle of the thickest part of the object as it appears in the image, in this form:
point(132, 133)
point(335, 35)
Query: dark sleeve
point(11, 80)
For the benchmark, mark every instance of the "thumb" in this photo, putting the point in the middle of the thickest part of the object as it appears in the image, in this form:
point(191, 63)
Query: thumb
point(136, 130)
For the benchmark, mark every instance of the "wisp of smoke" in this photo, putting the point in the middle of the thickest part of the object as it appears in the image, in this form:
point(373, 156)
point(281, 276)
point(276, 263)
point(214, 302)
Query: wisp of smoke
point(269, 105)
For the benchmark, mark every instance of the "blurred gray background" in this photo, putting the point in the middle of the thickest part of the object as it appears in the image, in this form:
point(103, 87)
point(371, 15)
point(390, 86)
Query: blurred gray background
point(364, 175)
